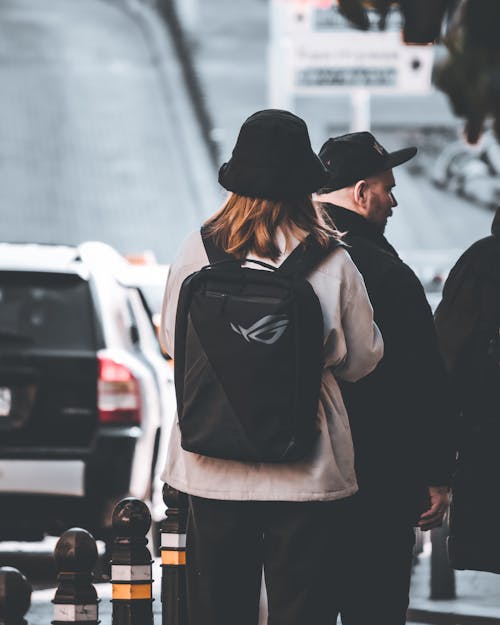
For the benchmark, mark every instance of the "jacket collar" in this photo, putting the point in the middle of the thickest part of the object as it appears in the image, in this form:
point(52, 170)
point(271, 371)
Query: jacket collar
point(354, 224)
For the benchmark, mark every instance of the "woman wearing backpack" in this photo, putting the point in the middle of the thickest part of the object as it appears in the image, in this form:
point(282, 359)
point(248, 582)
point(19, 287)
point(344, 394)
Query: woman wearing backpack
point(265, 492)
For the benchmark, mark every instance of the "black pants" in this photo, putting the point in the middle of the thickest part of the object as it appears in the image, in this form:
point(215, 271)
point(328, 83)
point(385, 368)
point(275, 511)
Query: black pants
point(228, 543)
point(377, 555)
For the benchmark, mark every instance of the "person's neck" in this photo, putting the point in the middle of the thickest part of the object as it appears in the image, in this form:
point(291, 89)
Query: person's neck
point(339, 199)
point(352, 219)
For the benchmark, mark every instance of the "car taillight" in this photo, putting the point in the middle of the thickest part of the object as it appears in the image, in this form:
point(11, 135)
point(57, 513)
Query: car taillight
point(118, 398)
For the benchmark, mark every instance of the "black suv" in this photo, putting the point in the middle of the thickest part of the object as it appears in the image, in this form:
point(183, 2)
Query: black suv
point(84, 389)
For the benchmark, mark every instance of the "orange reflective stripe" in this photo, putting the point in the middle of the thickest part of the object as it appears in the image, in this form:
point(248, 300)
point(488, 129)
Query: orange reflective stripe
point(173, 557)
point(132, 591)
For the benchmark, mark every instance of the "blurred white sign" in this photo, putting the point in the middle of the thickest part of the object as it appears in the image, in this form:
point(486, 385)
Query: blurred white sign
point(353, 59)
point(315, 50)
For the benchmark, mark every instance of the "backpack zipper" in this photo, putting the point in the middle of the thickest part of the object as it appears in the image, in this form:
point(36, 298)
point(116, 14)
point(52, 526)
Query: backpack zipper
point(242, 298)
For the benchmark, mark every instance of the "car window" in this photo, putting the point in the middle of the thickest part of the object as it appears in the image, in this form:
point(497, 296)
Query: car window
point(153, 294)
point(142, 321)
point(44, 310)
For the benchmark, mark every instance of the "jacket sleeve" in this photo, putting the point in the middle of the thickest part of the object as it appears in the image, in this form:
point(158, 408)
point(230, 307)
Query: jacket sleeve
point(421, 381)
point(169, 307)
point(359, 338)
point(191, 257)
point(458, 313)
point(467, 322)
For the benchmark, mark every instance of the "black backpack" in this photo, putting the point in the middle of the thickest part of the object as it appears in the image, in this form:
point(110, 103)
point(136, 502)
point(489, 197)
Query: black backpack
point(249, 356)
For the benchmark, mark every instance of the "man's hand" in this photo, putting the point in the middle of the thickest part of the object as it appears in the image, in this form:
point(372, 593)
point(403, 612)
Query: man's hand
point(439, 500)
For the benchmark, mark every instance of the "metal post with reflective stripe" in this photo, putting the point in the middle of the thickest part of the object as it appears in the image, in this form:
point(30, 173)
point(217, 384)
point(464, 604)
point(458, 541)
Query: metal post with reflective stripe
point(173, 558)
point(131, 564)
point(76, 599)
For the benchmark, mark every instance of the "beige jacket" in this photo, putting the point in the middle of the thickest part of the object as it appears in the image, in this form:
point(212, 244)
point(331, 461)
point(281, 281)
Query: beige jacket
point(353, 346)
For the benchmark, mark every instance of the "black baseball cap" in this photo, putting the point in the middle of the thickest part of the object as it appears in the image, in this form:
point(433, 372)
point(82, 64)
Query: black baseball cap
point(273, 158)
point(358, 155)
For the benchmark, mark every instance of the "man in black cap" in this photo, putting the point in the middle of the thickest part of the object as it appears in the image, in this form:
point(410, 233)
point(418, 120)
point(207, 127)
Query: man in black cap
point(400, 413)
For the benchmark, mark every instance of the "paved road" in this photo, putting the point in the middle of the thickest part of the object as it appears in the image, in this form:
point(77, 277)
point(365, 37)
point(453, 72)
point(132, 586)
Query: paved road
point(98, 139)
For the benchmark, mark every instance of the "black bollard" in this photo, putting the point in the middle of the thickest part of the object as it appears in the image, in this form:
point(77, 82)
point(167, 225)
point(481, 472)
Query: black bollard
point(442, 575)
point(131, 571)
point(418, 547)
point(173, 558)
point(15, 596)
point(76, 599)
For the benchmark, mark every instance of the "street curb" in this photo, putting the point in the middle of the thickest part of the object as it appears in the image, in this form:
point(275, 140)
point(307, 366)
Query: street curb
point(449, 608)
point(168, 12)
point(417, 615)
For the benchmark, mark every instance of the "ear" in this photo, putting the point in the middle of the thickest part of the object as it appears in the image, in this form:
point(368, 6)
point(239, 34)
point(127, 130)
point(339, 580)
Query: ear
point(360, 193)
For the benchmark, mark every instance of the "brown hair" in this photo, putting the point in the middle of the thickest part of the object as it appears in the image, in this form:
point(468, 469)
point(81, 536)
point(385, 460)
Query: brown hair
point(246, 224)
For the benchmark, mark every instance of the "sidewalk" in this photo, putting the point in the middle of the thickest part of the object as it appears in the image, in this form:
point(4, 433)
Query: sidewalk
point(41, 609)
point(477, 602)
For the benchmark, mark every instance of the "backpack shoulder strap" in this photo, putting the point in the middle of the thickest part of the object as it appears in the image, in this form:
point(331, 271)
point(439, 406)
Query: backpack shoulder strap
point(214, 253)
point(305, 258)
point(301, 261)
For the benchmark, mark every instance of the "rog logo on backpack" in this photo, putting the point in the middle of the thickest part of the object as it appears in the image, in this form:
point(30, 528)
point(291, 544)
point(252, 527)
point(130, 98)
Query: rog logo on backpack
point(267, 330)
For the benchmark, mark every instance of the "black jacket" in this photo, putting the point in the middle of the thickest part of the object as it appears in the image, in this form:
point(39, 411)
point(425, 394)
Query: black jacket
point(468, 314)
point(468, 327)
point(401, 414)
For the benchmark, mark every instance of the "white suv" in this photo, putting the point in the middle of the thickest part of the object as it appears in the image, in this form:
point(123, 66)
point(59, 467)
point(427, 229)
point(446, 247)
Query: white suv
point(84, 390)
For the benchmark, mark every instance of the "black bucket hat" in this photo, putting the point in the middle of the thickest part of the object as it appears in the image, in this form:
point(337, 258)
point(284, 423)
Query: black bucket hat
point(358, 155)
point(273, 158)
